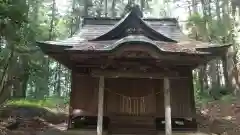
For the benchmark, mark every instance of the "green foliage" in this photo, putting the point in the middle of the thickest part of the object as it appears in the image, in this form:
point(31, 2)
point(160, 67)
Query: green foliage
point(219, 92)
point(35, 103)
point(216, 24)
point(22, 23)
point(209, 95)
point(222, 94)
point(45, 103)
point(201, 97)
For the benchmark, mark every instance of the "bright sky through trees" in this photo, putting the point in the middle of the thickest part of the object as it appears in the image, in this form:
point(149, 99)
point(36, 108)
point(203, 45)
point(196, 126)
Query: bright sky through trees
point(177, 12)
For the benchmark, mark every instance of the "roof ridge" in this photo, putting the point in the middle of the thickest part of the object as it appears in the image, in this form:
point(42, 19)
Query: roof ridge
point(119, 18)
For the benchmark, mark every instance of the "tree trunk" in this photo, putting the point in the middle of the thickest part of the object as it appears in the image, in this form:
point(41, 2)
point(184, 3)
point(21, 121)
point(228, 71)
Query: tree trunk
point(58, 87)
point(189, 10)
point(231, 59)
point(52, 20)
point(142, 4)
point(218, 71)
point(131, 2)
point(209, 8)
point(105, 8)
point(205, 17)
point(226, 72)
point(86, 8)
point(194, 6)
point(5, 93)
point(113, 8)
point(218, 11)
point(21, 84)
point(203, 78)
point(72, 20)
point(213, 74)
point(5, 69)
point(232, 37)
point(200, 79)
point(234, 7)
point(24, 85)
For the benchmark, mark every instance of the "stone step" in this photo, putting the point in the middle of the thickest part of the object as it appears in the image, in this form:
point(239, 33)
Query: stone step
point(132, 125)
point(133, 131)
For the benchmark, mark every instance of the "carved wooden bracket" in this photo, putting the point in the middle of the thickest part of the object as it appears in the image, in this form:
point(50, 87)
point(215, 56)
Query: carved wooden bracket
point(134, 31)
point(135, 54)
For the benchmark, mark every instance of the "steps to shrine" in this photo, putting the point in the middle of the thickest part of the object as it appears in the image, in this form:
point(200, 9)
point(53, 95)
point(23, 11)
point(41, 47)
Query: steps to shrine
point(132, 130)
point(125, 124)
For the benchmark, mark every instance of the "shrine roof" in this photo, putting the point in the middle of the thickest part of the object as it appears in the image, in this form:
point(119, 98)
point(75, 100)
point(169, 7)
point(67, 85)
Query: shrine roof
point(95, 27)
point(106, 34)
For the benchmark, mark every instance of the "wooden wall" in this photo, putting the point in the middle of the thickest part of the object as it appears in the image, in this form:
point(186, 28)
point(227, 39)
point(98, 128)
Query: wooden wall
point(146, 96)
point(84, 94)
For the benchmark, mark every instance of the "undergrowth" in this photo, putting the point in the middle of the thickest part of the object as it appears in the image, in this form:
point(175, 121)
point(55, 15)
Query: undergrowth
point(44, 103)
point(211, 95)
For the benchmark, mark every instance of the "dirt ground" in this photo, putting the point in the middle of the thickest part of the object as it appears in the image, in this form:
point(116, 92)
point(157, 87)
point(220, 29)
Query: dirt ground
point(218, 118)
point(27, 120)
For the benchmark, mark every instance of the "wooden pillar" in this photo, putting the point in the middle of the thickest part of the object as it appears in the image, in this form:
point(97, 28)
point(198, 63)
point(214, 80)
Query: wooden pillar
point(167, 104)
point(71, 94)
point(100, 106)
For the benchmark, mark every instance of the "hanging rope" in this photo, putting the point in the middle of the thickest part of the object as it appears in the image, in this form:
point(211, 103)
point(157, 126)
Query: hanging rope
point(133, 105)
point(132, 97)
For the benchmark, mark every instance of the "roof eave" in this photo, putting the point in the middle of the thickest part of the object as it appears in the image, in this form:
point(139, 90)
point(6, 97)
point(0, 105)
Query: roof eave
point(215, 50)
point(86, 51)
point(46, 46)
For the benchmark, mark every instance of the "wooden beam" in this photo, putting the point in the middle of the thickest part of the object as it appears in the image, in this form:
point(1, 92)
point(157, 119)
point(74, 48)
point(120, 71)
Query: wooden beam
point(132, 74)
point(122, 62)
point(167, 104)
point(100, 106)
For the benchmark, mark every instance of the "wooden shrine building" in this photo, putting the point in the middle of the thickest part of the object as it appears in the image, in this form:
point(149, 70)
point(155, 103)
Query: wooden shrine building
point(132, 75)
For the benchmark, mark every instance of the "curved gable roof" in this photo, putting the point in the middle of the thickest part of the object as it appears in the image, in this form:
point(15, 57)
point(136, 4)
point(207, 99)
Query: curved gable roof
point(134, 23)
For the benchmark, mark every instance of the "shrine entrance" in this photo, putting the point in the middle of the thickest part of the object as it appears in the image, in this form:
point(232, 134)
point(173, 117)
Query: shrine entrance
point(131, 105)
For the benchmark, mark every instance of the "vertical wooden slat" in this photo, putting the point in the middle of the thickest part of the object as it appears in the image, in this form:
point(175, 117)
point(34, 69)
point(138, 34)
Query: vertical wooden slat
point(134, 107)
point(100, 106)
point(144, 107)
point(123, 103)
point(167, 97)
point(137, 107)
point(130, 103)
